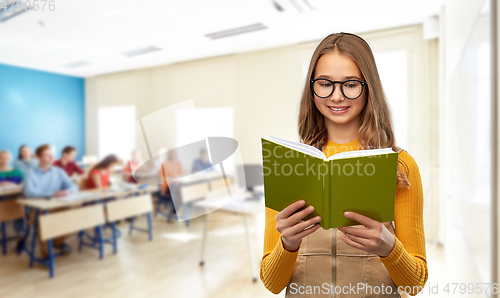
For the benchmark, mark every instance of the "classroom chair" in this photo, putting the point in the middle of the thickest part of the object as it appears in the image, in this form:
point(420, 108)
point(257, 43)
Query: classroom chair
point(126, 208)
point(9, 210)
point(66, 222)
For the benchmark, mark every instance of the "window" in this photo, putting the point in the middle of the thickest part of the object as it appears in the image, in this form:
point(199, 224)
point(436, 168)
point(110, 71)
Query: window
point(116, 127)
point(393, 71)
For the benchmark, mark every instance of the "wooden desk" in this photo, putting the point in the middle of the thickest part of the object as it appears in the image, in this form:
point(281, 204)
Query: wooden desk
point(199, 177)
point(145, 177)
point(243, 208)
point(94, 195)
point(176, 186)
point(9, 210)
point(43, 205)
point(11, 190)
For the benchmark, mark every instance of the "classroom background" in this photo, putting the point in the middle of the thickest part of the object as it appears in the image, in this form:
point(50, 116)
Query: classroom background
point(85, 77)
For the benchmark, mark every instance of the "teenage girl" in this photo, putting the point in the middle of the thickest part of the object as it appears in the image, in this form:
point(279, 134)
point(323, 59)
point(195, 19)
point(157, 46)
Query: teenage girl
point(100, 174)
point(343, 107)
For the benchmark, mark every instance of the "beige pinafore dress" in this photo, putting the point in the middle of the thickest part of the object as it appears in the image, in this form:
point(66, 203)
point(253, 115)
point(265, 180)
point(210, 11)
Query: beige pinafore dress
point(327, 267)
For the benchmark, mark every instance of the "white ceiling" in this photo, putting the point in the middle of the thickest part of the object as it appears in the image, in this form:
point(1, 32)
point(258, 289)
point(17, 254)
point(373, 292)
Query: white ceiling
point(100, 31)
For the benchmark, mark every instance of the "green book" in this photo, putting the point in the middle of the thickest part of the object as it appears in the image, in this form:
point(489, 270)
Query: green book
point(362, 181)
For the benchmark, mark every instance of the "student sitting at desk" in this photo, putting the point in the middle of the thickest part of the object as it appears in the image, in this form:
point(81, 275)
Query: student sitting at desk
point(67, 161)
point(100, 173)
point(25, 160)
point(9, 177)
point(171, 168)
point(201, 163)
point(47, 181)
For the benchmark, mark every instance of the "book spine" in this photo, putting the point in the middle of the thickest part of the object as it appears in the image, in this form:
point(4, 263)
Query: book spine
point(323, 206)
point(326, 196)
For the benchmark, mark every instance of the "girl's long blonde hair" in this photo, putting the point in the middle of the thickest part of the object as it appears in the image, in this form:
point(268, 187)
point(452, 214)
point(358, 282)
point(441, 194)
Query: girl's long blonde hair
point(375, 130)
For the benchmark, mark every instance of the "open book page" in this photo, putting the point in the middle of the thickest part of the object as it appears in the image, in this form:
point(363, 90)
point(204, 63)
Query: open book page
point(358, 153)
point(304, 148)
point(290, 175)
point(363, 184)
point(124, 187)
point(76, 197)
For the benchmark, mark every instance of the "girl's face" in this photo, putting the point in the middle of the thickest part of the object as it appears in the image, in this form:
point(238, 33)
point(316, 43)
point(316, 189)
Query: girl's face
point(337, 67)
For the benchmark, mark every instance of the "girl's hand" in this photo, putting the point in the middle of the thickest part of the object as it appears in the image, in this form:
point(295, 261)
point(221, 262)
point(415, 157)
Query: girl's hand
point(291, 226)
point(375, 239)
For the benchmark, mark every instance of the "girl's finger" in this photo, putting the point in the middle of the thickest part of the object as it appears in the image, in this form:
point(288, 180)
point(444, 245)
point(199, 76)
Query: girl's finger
point(364, 220)
point(301, 226)
point(362, 241)
point(350, 242)
point(355, 231)
point(290, 209)
point(305, 232)
point(297, 217)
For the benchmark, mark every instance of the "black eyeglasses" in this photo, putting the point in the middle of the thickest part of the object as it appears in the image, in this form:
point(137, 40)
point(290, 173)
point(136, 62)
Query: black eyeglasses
point(324, 88)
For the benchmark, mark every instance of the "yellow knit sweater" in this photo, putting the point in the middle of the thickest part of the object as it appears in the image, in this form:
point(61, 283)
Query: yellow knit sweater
point(406, 264)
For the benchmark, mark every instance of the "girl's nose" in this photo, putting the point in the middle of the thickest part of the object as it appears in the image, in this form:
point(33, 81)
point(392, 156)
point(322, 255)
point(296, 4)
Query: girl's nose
point(337, 95)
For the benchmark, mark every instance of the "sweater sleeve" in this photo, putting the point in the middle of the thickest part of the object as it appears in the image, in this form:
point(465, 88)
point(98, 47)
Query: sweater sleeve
point(407, 264)
point(77, 168)
point(277, 265)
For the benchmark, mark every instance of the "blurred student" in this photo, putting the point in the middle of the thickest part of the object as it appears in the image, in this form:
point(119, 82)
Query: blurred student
point(202, 162)
point(46, 181)
point(171, 168)
point(67, 161)
point(99, 175)
point(10, 177)
point(157, 161)
point(134, 163)
point(25, 160)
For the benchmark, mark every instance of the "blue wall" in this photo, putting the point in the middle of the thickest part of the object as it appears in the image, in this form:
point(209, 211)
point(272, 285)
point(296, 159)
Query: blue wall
point(39, 107)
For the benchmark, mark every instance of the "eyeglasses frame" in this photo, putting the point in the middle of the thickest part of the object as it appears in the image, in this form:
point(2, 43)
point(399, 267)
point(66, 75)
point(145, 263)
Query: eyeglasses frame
point(311, 81)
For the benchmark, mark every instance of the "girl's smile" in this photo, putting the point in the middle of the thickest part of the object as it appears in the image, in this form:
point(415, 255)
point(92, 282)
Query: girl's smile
point(339, 109)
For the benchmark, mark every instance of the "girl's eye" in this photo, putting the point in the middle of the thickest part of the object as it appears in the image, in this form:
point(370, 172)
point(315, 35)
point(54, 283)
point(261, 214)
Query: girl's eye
point(326, 85)
point(351, 85)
